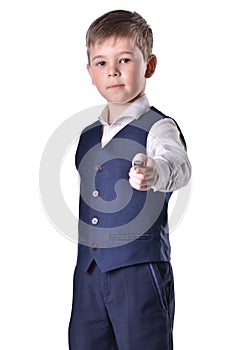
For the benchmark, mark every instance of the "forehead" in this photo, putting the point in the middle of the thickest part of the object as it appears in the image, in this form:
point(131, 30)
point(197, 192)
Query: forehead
point(113, 44)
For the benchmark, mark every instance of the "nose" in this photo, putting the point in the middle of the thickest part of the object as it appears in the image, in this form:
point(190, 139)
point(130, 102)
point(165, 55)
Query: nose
point(113, 71)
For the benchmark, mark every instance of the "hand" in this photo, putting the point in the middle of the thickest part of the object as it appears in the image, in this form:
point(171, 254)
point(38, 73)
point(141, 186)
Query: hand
point(143, 178)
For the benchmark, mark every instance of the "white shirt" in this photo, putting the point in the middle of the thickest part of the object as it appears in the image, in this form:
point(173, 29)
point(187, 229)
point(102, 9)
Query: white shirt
point(163, 145)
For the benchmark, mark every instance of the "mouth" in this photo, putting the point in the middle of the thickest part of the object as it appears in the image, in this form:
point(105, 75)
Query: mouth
point(116, 86)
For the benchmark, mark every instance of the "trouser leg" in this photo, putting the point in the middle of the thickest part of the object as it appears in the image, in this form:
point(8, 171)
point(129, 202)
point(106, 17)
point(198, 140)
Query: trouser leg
point(141, 306)
point(89, 327)
point(133, 304)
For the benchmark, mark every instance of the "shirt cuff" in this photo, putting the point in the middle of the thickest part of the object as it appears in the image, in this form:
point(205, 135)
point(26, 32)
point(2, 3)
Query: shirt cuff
point(169, 179)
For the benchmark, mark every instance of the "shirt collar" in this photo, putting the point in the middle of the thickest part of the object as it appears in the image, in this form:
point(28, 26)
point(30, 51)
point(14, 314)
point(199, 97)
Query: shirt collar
point(134, 111)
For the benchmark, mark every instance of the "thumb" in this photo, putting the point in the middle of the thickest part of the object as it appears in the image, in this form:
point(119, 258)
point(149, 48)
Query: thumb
point(139, 160)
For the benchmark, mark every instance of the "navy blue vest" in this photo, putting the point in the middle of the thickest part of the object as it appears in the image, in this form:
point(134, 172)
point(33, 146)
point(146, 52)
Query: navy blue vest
point(118, 225)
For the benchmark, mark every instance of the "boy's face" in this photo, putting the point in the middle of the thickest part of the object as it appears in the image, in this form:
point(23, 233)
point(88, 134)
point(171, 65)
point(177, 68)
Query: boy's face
point(118, 69)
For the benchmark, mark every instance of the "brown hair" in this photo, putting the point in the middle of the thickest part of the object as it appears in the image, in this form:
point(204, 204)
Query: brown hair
point(121, 23)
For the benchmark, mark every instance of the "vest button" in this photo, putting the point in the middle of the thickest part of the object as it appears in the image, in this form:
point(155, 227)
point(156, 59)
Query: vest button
point(96, 193)
point(95, 221)
point(98, 167)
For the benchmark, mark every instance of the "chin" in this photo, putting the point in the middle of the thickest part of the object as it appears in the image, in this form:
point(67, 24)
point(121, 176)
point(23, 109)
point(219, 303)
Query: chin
point(121, 100)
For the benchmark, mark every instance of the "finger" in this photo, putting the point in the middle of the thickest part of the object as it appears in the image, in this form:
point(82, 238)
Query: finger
point(137, 186)
point(143, 180)
point(137, 179)
point(139, 160)
point(134, 171)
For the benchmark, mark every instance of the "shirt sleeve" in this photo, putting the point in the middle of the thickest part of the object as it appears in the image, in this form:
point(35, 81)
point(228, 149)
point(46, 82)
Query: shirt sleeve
point(164, 145)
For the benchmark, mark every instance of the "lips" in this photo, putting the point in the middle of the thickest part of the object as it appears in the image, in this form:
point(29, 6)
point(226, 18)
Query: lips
point(115, 86)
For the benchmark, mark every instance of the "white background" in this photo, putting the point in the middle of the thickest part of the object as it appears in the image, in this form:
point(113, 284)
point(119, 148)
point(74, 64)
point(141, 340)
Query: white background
point(43, 82)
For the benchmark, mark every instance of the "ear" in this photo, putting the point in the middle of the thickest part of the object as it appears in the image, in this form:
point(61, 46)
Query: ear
point(90, 73)
point(151, 66)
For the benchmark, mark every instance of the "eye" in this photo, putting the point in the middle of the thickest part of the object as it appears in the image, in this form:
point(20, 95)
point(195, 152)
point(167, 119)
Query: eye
point(101, 63)
point(125, 60)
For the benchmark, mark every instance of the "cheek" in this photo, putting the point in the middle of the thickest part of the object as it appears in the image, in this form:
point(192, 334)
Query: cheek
point(137, 76)
point(97, 79)
point(138, 80)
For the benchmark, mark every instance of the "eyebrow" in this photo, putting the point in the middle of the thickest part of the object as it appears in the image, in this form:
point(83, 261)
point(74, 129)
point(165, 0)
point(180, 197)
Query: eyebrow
point(120, 53)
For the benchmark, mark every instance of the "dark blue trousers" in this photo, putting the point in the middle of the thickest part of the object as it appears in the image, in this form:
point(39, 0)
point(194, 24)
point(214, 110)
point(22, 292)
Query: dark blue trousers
point(131, 308)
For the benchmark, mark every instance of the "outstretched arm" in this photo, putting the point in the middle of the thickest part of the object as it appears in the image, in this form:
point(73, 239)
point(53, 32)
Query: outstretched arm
point(166, 165)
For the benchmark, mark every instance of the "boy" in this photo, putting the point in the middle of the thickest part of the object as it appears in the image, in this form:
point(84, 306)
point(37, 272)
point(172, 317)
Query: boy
point(130, 161)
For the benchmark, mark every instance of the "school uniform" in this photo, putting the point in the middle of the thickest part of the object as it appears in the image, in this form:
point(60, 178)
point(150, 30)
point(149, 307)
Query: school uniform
point(123, 296)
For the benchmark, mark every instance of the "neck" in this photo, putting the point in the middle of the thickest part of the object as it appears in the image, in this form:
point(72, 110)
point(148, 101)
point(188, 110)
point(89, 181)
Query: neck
point(115, 110)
